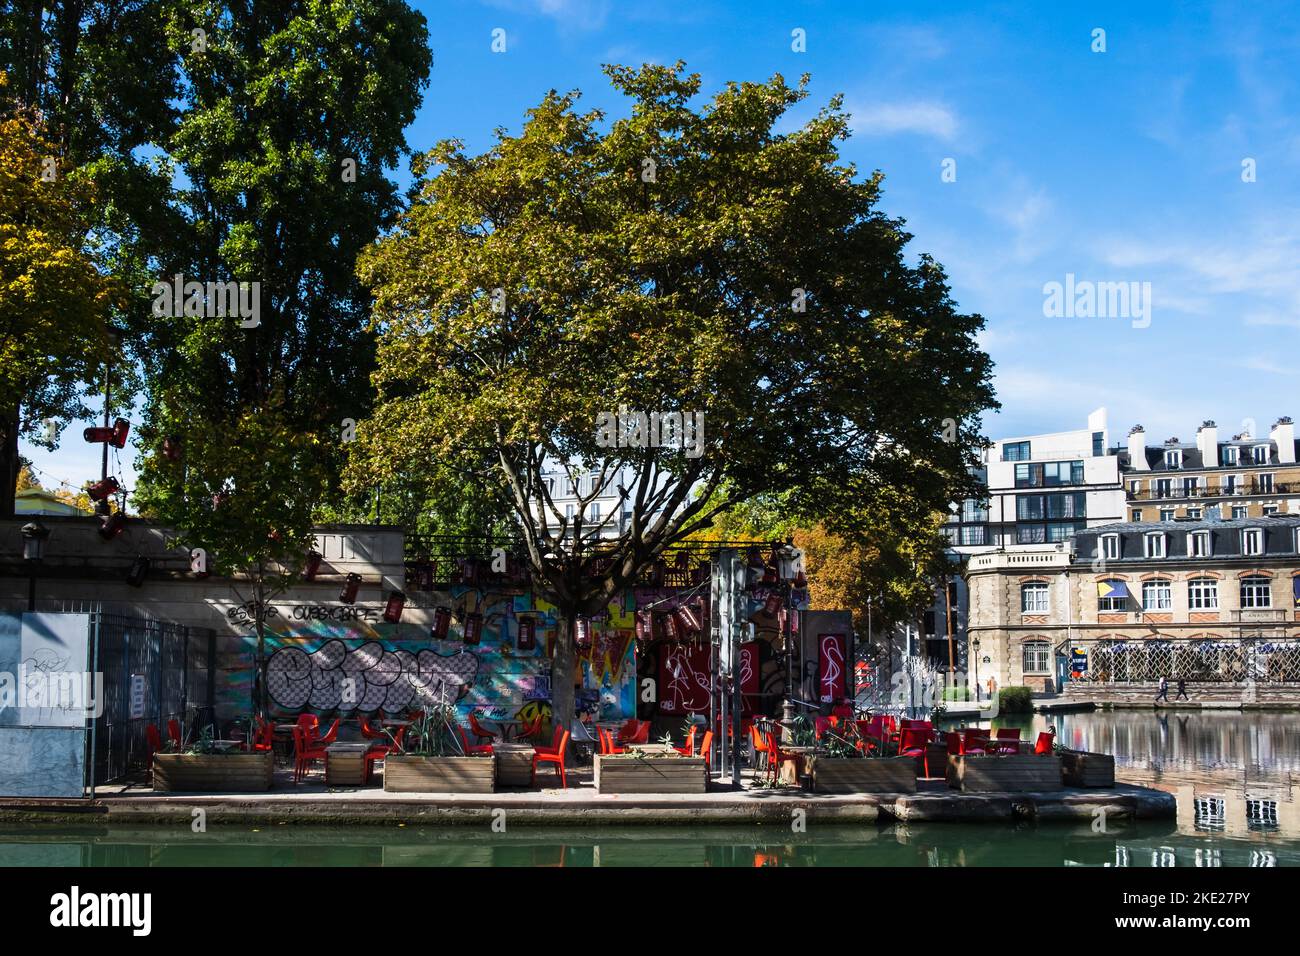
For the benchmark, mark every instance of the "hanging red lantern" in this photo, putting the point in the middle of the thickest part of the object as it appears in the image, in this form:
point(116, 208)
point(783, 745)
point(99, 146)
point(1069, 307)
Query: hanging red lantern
point(441, 622)
point(687, 619)
point(672, 629)
point(527, 634)
point(110, 526)
point(644, 627)
point(393, 609)
point(118, 437)
point(350, 587)
point(310, 569)
point(139, 569)
point(171, 449)
point(773, 604)
point(473, 628)
point(98, 433)
point(100, 490)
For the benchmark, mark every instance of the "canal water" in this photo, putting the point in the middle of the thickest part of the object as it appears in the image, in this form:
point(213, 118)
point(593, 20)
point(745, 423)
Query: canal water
point(1234, 776)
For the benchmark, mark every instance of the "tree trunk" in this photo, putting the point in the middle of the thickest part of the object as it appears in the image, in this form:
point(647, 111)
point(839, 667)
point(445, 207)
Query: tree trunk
point(8, 461)
point(259, 594)
point(562, 673)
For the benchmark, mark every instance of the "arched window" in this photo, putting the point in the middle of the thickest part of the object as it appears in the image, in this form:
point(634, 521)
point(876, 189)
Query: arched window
point(1036, 657)
point(1034, 598)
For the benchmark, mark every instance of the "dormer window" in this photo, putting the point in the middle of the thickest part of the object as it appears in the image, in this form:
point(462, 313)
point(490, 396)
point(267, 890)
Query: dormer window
point(1198, 544)
point(1110, 546)
point(1155, 544)
point(1252, 541)
point(1261, 454)
point(1229, 458)
point(1173, 458)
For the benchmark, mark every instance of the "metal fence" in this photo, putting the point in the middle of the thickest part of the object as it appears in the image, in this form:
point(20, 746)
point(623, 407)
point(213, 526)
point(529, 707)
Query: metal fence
point(1266, 660)
point(167, 668)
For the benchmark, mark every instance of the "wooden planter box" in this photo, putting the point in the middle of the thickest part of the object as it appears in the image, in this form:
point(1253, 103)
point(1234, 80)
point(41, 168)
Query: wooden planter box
point(219, 773)
point(1004, 773)
point(1082, 769)
point(408, 774)
point(864, 775)
point(627, 774)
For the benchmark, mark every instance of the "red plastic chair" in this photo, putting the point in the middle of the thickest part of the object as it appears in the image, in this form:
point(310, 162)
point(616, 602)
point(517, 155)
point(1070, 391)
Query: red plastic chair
point(706, 746)
point(174, 732)
point(531, 729)
point(607, 745)
point(914, 742)
point(953, 740)
point(309, 724)
point(380, 751)
point(689, 749)
point(473, 750)
point(773, 755)
point(478, 730)
point(369, 732)
point(758, 742)
point(1008, 740)
point(332, 734)
point(152, 742)
point(975, 741)
point(306, 752)
point(1043, 745)
point(553, 754)
point(263, 736)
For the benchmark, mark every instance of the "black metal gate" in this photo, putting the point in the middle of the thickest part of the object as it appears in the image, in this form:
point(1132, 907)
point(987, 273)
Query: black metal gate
point(172, 668)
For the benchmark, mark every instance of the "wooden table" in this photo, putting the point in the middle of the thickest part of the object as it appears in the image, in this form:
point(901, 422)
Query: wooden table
point(514, 764)
point(345, 764)
point(793, 764)
point(653, 750)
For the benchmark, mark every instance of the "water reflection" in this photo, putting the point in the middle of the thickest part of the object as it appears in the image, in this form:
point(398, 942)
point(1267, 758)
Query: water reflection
point(903, 845)
point(1232, 773)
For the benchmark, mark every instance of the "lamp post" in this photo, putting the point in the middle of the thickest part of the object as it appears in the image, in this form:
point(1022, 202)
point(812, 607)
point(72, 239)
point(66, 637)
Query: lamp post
point(34, 535)
point(976, 645)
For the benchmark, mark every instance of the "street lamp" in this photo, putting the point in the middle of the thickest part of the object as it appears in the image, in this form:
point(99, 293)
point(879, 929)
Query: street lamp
point(976, 645)
point(34, 535)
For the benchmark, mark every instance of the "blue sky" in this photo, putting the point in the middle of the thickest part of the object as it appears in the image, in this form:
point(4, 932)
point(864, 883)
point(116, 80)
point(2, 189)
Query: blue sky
point(1116, 166)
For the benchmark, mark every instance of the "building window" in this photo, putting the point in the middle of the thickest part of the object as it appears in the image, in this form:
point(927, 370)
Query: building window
point(1203, 594)
point(974, 511)
point(1034, 598)
point(1036, 657)
point(1238, 512)
point(1229, 458)
point(595, 511)
point(1266, 483)
point(1164, 487)
point(1252, 541)
point(1137, 514)
point(1098, 444)
point(1134, 488)
point(1166, 514)
point(1191, 486)
point(1270, 510)
point(1112, 596)
point(568, 513)
point(1228, 484)
point(1198, 544)
point(1031, 534)
point(1173, 458)
point(1194, 513)
point(1261, 454)
point(1063, 530)
point(1157, 596)
point(973, 534)
point(1015, 451)
point(1155, 544)
point(1110, 546)
point(1256, 592)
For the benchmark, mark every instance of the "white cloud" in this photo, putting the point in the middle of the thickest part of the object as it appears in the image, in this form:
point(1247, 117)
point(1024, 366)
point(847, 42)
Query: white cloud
point(927, 118)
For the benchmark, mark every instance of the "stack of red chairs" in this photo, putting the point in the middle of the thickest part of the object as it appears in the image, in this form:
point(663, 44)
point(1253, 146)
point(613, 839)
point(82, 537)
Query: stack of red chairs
point(914, 741)
point(306, 752)
point(607, 745)
point(634, 732)
point(473, 750)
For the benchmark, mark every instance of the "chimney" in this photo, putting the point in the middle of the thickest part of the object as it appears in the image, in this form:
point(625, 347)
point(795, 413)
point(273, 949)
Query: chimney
point(1207, 440)
point(1137, 449)
point(1283, 432)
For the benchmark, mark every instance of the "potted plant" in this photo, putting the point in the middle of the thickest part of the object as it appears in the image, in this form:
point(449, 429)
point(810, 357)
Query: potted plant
point(205, 766)
point(663, 770)
point(434, 761)
point(846, 762)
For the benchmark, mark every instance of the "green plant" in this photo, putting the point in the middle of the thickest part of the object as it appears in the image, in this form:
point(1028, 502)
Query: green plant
point(1015, 700)
point(432, 734)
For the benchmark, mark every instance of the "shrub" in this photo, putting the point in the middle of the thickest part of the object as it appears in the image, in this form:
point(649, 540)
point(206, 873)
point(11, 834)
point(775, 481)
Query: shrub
point(1015, 700)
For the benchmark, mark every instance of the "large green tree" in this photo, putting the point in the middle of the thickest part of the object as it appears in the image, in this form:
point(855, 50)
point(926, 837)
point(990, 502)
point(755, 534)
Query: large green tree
point(686, 257)
point(291, 116)
point(101, 76)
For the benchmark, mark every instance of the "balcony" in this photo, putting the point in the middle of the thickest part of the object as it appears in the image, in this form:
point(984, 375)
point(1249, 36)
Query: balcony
point(1177, 493)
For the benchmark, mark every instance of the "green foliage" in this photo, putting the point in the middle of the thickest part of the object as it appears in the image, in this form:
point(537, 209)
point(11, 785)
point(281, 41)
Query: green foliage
point(433, 734)
point(1015, 700)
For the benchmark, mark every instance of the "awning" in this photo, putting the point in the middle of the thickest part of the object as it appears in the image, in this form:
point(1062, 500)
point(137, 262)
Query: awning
point(1113, 589)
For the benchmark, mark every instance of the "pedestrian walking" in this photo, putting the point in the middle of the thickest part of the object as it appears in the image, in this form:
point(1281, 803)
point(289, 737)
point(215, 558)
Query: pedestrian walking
point(1164, 691)
point(1182, 690)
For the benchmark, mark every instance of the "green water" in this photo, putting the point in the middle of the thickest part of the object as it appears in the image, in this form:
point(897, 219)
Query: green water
point(925, 845)
point(1234, 776)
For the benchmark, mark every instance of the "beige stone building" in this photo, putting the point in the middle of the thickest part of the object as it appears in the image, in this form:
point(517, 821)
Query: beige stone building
point(1214, 603)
